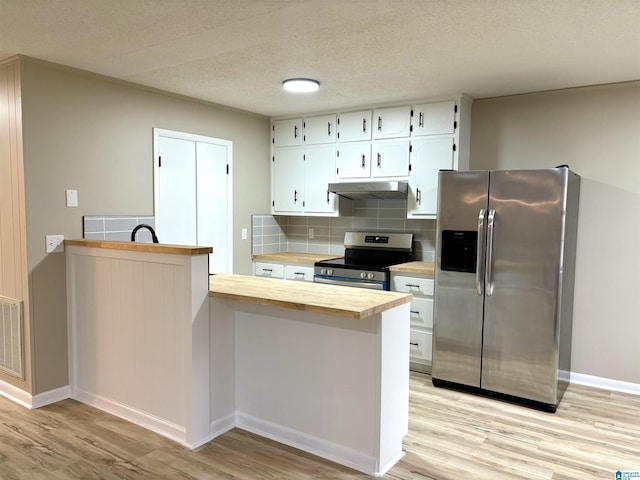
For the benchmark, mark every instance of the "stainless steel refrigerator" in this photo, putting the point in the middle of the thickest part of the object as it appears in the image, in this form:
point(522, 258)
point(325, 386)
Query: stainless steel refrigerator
point(505, 261)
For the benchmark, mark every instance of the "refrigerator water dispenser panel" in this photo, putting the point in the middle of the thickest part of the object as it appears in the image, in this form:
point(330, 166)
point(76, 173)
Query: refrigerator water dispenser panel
point(459, 251)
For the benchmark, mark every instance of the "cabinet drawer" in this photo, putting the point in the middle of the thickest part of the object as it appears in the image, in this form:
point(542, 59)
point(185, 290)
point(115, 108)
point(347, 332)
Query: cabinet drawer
point(417, 286)
point(422, 312)
point(273, 270)
point(293, 272)
point(420, 345)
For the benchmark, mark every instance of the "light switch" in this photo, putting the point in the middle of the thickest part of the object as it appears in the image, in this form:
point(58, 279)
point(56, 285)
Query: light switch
point(244, 234)
point(54, 243)
point(72, 198)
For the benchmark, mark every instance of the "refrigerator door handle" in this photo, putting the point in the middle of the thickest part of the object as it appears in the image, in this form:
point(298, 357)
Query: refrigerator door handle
point(489, 267)
point(480, 253)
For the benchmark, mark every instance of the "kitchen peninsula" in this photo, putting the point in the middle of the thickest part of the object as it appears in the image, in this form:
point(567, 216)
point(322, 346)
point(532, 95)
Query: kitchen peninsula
point(158, 342)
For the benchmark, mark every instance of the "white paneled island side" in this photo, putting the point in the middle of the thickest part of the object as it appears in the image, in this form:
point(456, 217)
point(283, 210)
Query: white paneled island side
point(155, 340)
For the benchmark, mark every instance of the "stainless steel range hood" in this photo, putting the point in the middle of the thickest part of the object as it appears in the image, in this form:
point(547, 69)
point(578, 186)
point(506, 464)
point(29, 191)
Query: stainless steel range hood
point(378, 190)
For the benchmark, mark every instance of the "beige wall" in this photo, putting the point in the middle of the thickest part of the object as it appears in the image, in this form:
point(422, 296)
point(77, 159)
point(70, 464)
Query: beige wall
point(13, 244)
point(95, 135)
point(596, 131)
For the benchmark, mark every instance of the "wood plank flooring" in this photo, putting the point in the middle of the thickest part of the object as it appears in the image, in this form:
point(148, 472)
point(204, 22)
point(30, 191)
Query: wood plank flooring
point(452, 435)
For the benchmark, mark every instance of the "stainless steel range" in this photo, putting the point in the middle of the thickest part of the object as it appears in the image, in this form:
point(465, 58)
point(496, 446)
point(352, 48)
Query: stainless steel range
point(366, 261)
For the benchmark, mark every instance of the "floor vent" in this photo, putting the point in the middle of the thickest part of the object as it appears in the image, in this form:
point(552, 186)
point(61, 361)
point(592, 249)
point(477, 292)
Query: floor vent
point(11, 356)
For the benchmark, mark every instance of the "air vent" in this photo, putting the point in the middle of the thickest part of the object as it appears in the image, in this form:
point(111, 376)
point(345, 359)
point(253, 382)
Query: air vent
point(11, 328)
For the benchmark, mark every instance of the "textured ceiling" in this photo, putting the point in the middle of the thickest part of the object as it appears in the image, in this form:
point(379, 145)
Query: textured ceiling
point(363, 52)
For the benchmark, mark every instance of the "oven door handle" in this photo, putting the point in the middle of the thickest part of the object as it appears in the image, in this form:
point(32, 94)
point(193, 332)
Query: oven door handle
point(349, 283)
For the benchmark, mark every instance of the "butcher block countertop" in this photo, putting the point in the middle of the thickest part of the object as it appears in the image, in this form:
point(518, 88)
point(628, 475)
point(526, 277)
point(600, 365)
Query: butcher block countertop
point(333, 300)
point(142, 247)
point(293, 257)
point(423, 268)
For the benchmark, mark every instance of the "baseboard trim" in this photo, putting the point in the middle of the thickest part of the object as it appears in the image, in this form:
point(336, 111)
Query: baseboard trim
point(605, 383)
point(52, 396)
point(16, 394)
point(167, 429)
point(308, 443)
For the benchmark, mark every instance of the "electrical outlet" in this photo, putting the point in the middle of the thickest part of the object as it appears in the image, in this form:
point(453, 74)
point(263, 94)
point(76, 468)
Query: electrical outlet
point(311, 233)
point(54, 243)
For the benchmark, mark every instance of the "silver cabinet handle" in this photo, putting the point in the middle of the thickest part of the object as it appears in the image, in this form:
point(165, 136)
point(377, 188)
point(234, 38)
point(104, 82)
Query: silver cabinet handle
point(480, 252)
point(295, 196)
point(379, 124)
point(327, 196)
point(267, 270)
point(421, 120)
point(329, 128)
point(363, 160)
point(364, 125)
point(295, 131)
point(489, 268)
point(379, 160)
point(418, 196)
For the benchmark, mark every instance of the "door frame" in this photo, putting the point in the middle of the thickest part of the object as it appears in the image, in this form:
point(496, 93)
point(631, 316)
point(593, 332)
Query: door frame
point(228, 144)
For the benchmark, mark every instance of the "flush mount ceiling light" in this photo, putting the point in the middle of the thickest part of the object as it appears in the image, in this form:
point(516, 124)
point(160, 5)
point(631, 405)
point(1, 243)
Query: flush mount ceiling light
point(300, 85)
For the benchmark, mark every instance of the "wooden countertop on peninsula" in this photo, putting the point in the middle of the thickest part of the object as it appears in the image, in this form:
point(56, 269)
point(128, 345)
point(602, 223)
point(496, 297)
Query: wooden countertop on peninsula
point(142, 247)
point(333, 300)
point(293, 257)
point(423, 268)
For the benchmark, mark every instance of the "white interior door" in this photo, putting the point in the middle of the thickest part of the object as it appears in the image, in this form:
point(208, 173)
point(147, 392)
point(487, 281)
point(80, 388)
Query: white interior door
point(193, 193)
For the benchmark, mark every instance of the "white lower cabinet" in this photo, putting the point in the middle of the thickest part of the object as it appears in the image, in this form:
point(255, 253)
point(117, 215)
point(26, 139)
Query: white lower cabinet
point(421, 333)
point(271, 270)
point(297, 272)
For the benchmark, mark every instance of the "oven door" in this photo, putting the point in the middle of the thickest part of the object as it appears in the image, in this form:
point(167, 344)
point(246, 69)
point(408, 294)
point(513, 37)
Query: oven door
point(350, 282)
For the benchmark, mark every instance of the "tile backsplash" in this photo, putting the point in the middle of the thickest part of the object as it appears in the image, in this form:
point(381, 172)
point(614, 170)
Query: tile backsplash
point(276, 233)
point(116, 227)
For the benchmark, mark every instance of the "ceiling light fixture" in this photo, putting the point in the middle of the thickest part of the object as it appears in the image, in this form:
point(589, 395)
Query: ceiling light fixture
point(300, 85)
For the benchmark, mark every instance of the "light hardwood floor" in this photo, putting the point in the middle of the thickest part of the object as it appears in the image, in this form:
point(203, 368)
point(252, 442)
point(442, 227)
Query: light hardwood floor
point(452, 435)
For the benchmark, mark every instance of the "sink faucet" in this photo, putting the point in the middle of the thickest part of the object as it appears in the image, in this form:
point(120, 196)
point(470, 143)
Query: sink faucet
point(144, 225)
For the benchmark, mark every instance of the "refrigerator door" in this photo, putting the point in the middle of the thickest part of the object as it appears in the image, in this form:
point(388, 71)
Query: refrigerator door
point(459, 285)
point(524, 245)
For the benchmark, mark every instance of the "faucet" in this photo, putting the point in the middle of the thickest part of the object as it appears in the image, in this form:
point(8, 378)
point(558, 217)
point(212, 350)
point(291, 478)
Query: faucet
point(144, 225)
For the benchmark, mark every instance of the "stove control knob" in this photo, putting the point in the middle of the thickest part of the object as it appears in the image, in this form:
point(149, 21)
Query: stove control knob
point(370, 276)
point(323, 271)
point(329, 271)
point(363, 275)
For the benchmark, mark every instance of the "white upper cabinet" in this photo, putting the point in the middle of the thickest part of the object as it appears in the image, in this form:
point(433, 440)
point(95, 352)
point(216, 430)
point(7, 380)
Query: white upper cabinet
point(393, 122)
point(390, 158)
point(354, 126)
point(287, 133)
point(319, 171)
point(353, 160)
point(434, 118)
point(287, 180)
point(320, 129)
point(428, 156)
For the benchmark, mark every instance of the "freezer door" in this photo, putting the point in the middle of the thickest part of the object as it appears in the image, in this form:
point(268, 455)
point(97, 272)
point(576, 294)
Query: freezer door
point(524, 245)
point(457, 330)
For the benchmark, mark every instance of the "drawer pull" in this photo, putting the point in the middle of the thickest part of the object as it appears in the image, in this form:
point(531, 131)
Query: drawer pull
point(416, 344)
point(415, 312)
point(411, 285)
point(267, 270)
point(299, 273)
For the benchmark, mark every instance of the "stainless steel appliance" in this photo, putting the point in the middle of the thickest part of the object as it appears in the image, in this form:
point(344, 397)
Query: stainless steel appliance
point(505, 260)
point(366, 261)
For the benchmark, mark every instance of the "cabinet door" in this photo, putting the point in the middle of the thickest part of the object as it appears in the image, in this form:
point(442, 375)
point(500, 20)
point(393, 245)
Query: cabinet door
point(390, 158)
point(287, 133)
point(434, 118)
point(354, 160)
point(319, 171)
point(320, 129)
point(287, 180)
point(354, 126)
point(392, 122)
point(428, 156)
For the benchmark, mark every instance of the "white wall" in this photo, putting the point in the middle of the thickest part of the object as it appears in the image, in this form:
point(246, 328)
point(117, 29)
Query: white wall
point(93, 134)
point(596, 131)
